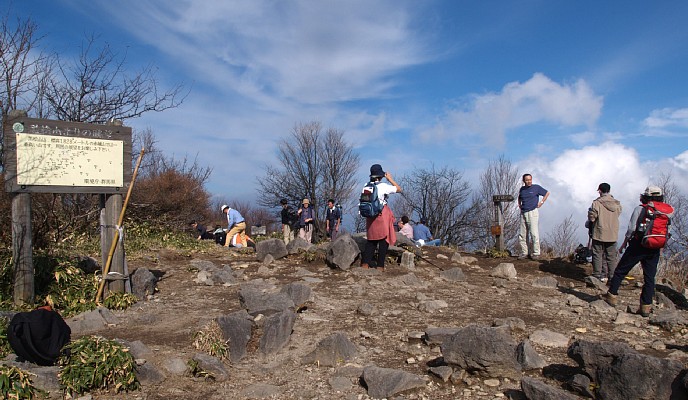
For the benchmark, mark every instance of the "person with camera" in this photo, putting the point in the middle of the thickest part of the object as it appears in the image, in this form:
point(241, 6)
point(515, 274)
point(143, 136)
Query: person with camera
point(603, 216)
point(380, 233)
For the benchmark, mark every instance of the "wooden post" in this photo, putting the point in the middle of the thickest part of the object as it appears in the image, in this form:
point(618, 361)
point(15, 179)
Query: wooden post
point(22, 249)
point(109, 218)
point(498, 227)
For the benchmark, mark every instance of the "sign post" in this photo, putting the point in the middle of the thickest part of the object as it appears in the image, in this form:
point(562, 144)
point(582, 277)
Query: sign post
point(498, 226)
point(47, 156)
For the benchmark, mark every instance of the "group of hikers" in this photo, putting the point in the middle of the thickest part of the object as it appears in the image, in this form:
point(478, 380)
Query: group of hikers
point(646, 235)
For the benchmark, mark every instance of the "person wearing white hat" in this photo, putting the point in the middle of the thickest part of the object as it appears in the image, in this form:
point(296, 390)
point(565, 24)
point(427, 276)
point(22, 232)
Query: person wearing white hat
point(636, 253)
point(235, 224)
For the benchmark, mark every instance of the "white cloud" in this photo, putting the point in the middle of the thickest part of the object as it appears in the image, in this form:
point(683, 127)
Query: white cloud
point(573, 177)
point(667, 118)
point(539, 99)
point(582, 138)
point(301, 51)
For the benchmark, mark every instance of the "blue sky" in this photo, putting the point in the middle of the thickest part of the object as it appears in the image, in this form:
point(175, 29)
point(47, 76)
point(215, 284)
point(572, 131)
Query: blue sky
point(576, 92)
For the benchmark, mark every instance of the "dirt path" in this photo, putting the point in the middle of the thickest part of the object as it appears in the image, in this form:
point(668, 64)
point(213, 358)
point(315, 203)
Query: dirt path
point(167, 323)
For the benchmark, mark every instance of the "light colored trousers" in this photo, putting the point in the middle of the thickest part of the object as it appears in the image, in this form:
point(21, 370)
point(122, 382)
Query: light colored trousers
point(239, 228)
point(288, 233)
point(306, 233)
point(529, 225)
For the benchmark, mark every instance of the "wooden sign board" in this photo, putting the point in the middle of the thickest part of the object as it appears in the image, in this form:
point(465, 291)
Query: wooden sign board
point(47, 156)
point(498, 198)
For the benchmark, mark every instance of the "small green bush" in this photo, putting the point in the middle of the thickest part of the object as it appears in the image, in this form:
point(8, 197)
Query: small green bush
point(16, 383)
point(5, 347)
point(210, 340)
point(119, 301)
point(94, 362)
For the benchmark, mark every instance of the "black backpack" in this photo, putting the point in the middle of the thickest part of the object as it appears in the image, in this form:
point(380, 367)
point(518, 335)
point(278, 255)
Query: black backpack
point(38, 336)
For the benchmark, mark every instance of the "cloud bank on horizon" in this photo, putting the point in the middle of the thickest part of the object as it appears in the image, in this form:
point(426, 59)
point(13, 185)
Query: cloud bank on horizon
point(414, 84)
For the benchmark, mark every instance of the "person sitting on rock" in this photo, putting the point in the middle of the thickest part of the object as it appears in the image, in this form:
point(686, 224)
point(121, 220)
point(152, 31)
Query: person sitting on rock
point(422, 235)
point(405, 227)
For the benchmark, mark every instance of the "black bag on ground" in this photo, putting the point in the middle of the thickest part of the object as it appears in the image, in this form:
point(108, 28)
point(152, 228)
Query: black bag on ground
point(582, 254)
point(38, 336)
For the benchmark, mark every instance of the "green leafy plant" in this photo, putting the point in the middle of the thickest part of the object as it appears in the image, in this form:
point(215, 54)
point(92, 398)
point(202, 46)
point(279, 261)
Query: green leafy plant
point(494, 253)
point(5, 347)
point(209, 339)
point(196, 371)
point(94, 362)
point(65, 287)
point(119, 301)
point(16, 383)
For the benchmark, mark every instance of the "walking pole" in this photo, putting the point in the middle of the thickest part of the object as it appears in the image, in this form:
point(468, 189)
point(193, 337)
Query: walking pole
point(115, 239)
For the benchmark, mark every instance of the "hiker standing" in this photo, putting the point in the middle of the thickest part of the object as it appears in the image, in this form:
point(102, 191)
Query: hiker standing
point(604, 214)
point(288, 218)
point(235, 224)
point(332, 220)
point(636, 252)
point(422, 235)
point(529, 202)
point(306, 221)
point(380, 231)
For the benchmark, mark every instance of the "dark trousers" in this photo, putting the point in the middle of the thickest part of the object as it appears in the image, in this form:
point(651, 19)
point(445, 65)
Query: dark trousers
point(603, 259)
point(648, 259)
point(381, 246)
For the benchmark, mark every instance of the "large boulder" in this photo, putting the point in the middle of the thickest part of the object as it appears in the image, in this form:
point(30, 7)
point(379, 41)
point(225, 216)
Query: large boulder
point(623, 373)
point(331, 351)
point(342, 253)
point(298, 244)
point(488, 351)
point(274, 247)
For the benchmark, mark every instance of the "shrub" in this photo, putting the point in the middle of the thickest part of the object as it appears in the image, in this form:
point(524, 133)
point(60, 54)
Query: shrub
point(16, 383)
point(5, 347)
point(93, 362)
point(209, 339)
point(119, 301)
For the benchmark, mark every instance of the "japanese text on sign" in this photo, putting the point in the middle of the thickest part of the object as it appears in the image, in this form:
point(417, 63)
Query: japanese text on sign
point(69, 161)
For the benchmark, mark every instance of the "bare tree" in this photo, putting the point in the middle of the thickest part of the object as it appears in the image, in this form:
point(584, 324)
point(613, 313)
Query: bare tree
point(96, 87)
point(499, 178)
point(440, 197)
point(21, 64)
point(674, 258)
point(561, 241)
point(313, 165)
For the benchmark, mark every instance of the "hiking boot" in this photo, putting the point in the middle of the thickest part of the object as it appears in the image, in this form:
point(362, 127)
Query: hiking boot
point(522, 257)
point(645, 309)
point(610, 299)
point(535, 257)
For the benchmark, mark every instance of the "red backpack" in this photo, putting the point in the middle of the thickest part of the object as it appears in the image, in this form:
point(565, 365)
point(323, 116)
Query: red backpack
point(653, 224)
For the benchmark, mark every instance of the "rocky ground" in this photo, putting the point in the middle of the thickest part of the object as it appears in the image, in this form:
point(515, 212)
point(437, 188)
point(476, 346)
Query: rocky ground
point(405, 303)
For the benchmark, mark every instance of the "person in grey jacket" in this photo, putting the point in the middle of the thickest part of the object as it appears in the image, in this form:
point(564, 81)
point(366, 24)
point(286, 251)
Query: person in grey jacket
point(604, 215)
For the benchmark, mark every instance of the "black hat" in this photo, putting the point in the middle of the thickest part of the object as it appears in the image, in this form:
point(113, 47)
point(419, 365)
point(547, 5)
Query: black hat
point(604, 188)
point(376, 171)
